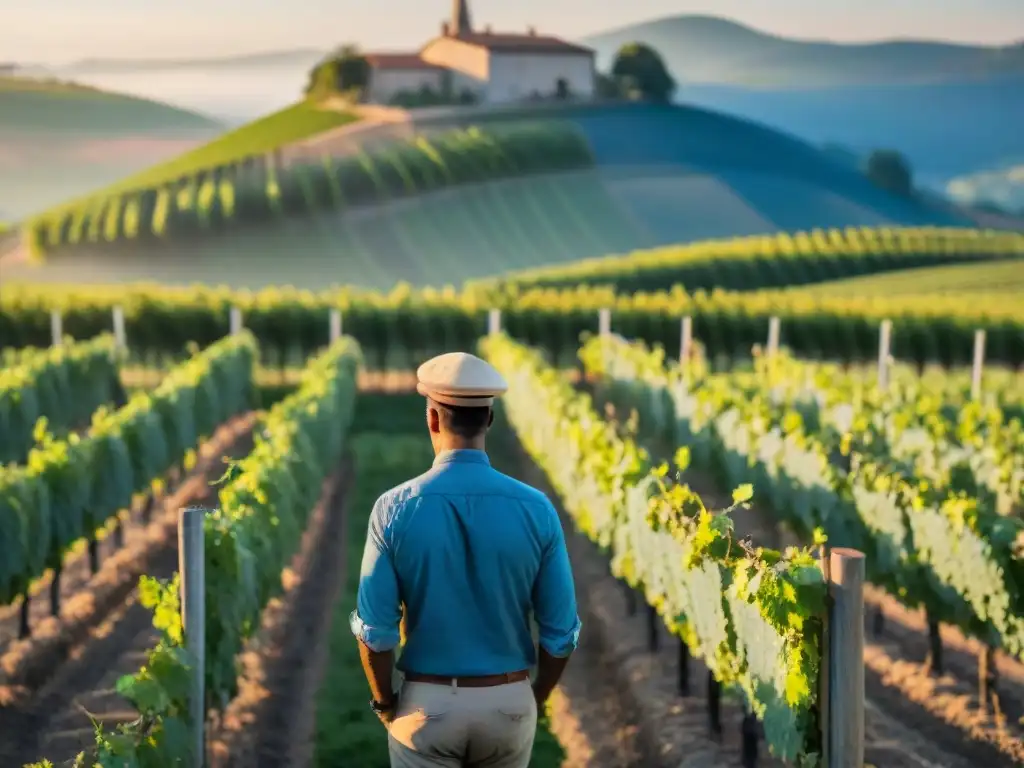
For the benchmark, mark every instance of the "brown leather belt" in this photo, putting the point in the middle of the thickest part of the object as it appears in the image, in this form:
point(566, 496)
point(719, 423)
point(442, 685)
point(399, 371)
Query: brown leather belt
point(478, 681)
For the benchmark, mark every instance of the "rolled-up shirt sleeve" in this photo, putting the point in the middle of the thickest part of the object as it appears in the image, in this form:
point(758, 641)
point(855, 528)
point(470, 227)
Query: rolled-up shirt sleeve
point(378, 611)
point(554, 596)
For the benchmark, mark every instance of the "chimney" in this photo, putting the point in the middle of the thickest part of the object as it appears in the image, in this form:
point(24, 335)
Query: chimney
point(444, 29)
point(531, 31)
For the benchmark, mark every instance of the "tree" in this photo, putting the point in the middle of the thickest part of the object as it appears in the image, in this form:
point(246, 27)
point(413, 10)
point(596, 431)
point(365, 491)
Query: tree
point(345, 71)
point(890, 170)
point(640, 73)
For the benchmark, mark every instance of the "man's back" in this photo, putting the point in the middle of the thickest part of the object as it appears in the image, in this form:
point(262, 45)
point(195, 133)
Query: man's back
point(472, 552)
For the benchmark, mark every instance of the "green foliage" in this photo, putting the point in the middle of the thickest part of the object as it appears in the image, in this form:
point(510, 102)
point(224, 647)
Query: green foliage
point(639, 72)
point(68, 489)
point(345, 72)
point(249, 540)
point(928, 484)
point(425, 96)
point(259, 190)
point(62, 385)
point(753, 614)
point(404, 326)
point(774, 261)
point(890, 170)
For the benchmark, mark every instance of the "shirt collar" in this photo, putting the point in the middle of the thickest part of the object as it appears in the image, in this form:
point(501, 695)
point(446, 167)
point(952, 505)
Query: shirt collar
point(461, 456)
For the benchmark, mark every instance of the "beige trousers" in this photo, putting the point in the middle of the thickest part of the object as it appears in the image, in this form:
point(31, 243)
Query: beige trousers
point(443, 725)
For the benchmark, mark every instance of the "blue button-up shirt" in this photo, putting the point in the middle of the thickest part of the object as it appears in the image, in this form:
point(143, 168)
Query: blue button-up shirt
point(471, 553)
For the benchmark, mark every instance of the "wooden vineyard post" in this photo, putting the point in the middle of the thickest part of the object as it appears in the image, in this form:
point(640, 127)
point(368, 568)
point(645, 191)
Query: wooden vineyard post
point(335, 325)
point(56, 327)
point(236, 321)
point(884, 343)
point(192, 569)
point(494, 322)
point(978, 365)
point(824, 699)
point(120, 336)
point(843, 726)
point(604, 330)
point(685, 341)
point(774, 331)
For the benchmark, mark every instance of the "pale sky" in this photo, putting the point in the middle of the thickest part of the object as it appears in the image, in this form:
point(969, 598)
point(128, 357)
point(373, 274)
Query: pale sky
point(60, 31)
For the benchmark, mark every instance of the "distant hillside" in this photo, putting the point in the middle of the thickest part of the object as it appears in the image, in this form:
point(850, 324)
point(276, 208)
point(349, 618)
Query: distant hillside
point(951, 109)
point(55, 106)
point(60, 139)
point(659, 175)
point(297, 57)
point(945, 129)
point(707, 49)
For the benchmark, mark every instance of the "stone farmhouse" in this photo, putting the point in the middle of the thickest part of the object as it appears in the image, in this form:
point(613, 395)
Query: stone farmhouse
point(496, 67)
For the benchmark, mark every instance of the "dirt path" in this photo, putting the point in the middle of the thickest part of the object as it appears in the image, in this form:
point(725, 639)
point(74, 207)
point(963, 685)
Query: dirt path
point(54, 721)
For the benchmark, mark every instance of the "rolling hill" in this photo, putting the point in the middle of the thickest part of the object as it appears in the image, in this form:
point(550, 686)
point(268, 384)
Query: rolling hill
point(63, 107)
point(61, 139)
point(709, 49)
point(658, 175)
point(952, 109)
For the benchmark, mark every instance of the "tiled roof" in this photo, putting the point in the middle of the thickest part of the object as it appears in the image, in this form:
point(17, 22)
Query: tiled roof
point(398, 61)
point(503, 42)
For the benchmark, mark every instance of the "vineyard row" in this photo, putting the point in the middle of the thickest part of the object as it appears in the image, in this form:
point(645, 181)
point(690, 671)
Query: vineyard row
point(757, 617)
point(929, 486)
point(399, 328)
point(68, 489)
point(62, 384)
point(247, 541)
point(772, 261)
point(253, 193)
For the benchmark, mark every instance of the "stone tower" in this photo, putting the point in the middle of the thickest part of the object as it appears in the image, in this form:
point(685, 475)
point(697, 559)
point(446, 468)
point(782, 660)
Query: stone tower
point(461, 23)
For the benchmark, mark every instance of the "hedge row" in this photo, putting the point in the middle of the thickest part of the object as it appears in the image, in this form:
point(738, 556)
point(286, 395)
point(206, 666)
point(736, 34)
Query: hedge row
point(398, 329)
point(775, 261)
point(257, 192)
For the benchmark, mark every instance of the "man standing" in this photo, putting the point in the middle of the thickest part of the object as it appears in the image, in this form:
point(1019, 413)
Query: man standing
point(470, 554)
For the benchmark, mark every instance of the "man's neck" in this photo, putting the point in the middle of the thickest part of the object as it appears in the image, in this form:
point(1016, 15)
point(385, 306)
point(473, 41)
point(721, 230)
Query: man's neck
point(461, 445)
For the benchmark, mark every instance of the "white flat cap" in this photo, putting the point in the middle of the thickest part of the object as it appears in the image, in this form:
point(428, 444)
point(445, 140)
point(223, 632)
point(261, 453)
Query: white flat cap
point(460, 379)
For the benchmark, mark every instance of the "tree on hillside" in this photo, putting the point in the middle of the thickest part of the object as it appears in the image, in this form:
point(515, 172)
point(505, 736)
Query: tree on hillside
point(639, 72)
point(346, 71)
point(890, 170)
